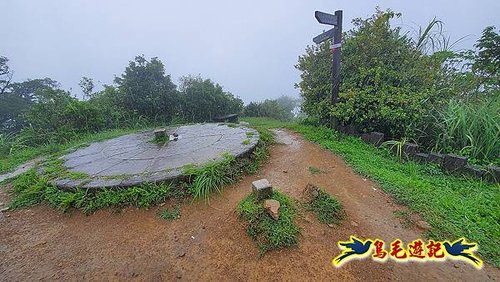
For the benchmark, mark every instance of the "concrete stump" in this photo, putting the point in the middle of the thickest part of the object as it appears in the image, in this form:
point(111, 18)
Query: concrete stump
point(160, 133)
point(262, 189)
point(453, 163)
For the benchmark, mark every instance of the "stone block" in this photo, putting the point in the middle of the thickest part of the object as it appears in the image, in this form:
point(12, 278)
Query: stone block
point(474, 171)
point(352, 130)
point(436, 158)
point(341, 128)
point(454, 163)
point(366, 137)
point(410, 149)
point(421, 157)
point(377, 138)
point(262, 189)
point(494, 173)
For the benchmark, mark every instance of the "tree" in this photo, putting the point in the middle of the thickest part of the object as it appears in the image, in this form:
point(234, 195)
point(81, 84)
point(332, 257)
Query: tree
point(145, 90)
point(487, 61)
point(280, 108)
point(87, 85)
point(18, 98)
point(5, 74)
point(203, 100)
point(32, 89)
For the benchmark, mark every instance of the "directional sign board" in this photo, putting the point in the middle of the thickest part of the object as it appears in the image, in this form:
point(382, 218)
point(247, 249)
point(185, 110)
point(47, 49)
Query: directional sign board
point(325, 18)
point(324, 36)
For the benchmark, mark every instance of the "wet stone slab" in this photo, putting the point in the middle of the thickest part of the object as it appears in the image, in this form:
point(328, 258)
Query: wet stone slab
point(133, 159)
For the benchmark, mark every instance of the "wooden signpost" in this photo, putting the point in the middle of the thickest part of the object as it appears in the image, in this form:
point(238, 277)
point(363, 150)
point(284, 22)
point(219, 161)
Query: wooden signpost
point(335, 34)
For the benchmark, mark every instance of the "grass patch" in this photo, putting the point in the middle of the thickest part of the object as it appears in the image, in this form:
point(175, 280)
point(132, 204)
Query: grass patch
point(265, 122)
point(161, 140)
point(31, 189)
point(327, 208)
point(270, 234)
point(454, 206)
point(211, 177)
point(314, 170)
point(170, 215)
point(245, 142)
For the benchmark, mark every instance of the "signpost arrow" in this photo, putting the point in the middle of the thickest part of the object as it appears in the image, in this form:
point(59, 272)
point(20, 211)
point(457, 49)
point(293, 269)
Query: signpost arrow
point(325, 18)
point(324, 36)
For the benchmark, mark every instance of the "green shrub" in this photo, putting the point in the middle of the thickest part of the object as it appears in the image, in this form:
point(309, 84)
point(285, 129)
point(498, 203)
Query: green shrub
point(269, 233)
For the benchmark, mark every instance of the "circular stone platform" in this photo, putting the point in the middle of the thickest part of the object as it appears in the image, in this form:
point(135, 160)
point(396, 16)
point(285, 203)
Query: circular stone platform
point(133, 159)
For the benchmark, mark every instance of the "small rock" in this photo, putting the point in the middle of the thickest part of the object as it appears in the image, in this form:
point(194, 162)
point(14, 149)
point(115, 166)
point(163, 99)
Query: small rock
point(1, 204)
point(60, 264)
point(330, 225)
point(354, 223)
point(4, 209)
point(192, 237)
point(455, 265)
point(178, 275)
point(273, 208)
point(423, 225)
point(180, 254)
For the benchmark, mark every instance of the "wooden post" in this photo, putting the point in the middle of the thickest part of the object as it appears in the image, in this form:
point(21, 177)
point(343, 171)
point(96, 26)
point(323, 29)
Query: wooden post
point(336, 54)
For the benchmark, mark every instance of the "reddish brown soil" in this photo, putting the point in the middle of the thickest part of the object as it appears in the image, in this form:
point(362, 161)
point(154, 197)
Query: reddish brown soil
point(209, 242)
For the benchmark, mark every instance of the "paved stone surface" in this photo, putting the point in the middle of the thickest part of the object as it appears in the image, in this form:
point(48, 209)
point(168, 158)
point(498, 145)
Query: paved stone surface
point(132, 159)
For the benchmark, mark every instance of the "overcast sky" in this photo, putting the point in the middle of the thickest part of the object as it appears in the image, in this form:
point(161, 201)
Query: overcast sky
point(248, 47)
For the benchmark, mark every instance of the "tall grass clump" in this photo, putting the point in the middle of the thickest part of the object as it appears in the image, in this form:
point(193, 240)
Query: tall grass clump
point(470, 128)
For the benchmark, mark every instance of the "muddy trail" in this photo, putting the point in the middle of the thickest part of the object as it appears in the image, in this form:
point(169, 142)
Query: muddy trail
point(209, 242)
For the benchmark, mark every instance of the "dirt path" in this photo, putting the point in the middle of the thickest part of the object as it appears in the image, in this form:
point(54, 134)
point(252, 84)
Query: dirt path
point(209, 242)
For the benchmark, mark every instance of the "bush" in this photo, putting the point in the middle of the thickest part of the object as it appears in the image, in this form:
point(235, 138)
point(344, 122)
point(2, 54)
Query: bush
point(58, 117)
